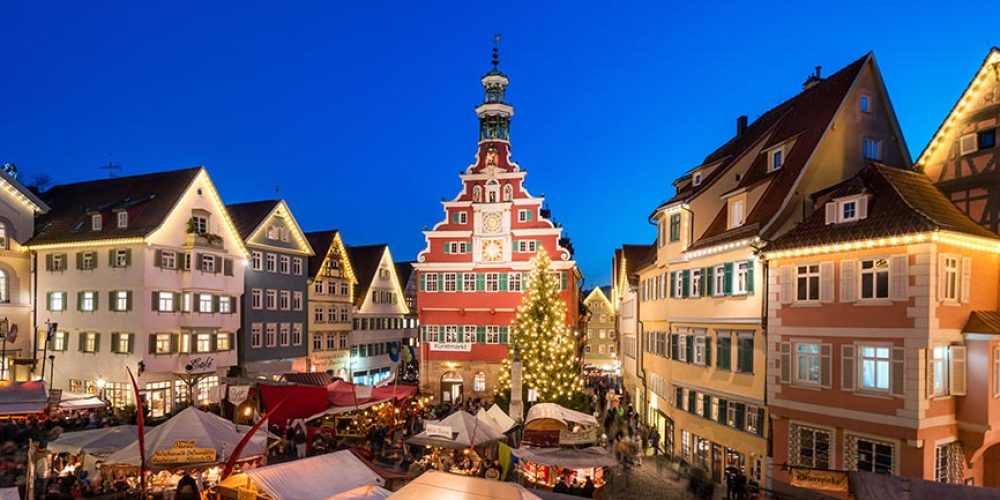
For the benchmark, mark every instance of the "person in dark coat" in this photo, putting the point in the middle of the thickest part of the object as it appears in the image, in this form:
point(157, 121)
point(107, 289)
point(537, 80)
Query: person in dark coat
point(561, 486)
point(187, 488)
point(588, 488)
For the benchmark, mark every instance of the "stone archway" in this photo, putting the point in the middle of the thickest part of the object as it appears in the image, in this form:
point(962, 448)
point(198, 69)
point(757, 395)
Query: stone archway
point(451, 387)
point(991, 466)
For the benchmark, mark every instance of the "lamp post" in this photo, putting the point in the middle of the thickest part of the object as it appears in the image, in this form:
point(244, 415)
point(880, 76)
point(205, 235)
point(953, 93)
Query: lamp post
point(4, 329)
point(100, 387)
point(52, 369)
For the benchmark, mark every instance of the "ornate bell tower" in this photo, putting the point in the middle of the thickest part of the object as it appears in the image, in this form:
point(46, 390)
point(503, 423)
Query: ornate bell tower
point(494, 113)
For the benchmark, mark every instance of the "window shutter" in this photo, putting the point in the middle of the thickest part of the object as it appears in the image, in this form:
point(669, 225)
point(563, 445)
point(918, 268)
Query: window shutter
point(503, 282)
point(825, 365)
point(97, 342)
point(847, 367)
point(740, 416)
point(760, 422)
point(958, 375)
point(826, 282)
point(82, 336)
point(690, 350)
point(214, 343)
point(503, 334)
point(128, 300)
point(480, 282)
point(728, 278)
point(785, 288)
point(231, 341)
point(112, 305)
point(673, 285)
point(215, 303)
point(197, 261)
point(111, 258)
point(79, 301)
point(79, 260)
point(709, 275)
point(966, 279)
point(674, 341)
point(232, 308)
point(48, 301)
point(831, 213)
point(114, 342)
point(750, 276)
point(929, 356)
point(423, 282)
point(128, 257)
point(458, 281)
point(863, 207)
point(847, 273)
point(155, 301)
point(447, 248)
point(96, 297)
point(898, 374)
point(685, 283)
point(152, 343)
point(723, 410)
point(177, 302)
point(481, 334)
point(899, 276)
point(48, 262)
point(227, 266)
point(217, 268)
point(563, 279)
point(175, 342)
point(786, 362)
point(940, 278)
point(157, 258)
point(708, 351)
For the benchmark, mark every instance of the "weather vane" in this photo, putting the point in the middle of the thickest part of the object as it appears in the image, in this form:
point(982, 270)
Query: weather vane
point(496, 49)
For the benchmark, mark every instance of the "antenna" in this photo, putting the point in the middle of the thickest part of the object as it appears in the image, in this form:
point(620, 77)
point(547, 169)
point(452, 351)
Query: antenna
point(277, 191)
point(110, 167)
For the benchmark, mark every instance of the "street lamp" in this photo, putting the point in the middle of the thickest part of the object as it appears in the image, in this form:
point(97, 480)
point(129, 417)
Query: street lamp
point(101, 383)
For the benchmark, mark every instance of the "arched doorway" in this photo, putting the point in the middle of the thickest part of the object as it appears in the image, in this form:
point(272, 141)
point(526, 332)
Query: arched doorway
point(451, 387)
point(991, 466)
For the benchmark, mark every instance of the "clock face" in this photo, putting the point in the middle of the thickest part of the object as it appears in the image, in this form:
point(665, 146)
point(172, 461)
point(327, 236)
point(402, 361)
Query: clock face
point(492, 222)
point(492, 250)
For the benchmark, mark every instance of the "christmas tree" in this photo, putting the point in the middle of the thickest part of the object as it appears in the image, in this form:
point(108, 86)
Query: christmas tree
point(548, 348)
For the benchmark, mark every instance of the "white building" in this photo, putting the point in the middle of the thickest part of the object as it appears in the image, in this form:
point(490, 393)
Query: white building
point(379, 314)
point(142, 272)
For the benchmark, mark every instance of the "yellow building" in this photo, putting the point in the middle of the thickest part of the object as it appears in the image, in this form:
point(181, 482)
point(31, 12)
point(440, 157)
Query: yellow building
point(625, 297)
point(601, 349)
point(703, 298)
point(331, 304)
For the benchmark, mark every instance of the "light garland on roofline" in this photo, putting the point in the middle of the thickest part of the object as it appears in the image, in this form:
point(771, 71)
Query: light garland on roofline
point(82, 244)
point(963, 241)
point(725, 247)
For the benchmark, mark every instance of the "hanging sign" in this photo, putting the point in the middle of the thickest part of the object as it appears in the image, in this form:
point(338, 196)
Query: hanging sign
point(238, 394)
point(584, 436)
point(12, 333)
point(200, 364)
point(829, 480)
point(183, 452)
point(451, 346)
point(435, 430)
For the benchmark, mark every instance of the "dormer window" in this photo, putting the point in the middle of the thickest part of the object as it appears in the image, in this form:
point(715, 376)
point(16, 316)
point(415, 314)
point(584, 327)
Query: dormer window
point(847, 210)
point(122, 219)
point(775, 160)
point(696, 179)
point(95, 222)
point(737, 211)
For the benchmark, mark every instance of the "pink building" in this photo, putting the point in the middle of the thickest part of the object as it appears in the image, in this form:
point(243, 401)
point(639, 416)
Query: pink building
point(882, 331)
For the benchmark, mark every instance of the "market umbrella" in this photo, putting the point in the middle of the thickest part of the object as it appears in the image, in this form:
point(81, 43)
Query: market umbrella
point(465, 430)
point(102, 441)
point(190, 438)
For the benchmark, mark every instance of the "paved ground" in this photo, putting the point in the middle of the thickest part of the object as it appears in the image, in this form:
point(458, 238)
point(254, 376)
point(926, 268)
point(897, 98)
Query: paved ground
point(654, 480)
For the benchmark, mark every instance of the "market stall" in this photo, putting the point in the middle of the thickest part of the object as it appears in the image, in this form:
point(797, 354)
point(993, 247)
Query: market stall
point(191, 441)
point(94, 445)
point(542, 467)
point(496, 417)
point(306, 478)
point(549, 424)
point(20, 399)
point(443, 486)
point(75, 401)
point(456, 431)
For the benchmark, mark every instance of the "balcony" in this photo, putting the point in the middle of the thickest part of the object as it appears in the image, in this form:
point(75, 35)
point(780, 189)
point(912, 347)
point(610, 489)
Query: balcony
point(203, 240)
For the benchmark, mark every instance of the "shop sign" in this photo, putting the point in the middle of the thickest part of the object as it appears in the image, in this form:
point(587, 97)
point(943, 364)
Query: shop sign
point(238, 394)
point(451, 346)
point(584, 436)
point(200, 364)
point(435, 430)
point(183, 452)
point(828, 480)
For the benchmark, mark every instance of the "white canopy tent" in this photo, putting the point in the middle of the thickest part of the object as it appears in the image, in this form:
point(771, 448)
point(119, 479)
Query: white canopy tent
point(104, 441)
point(339, 475)
point(193, 433)
point(496, 417)
point(552, 411)
point(444, 486)
point(363, 493)
point(80, 401)
point(465, 430)
point(577, 458)
point(9, 494)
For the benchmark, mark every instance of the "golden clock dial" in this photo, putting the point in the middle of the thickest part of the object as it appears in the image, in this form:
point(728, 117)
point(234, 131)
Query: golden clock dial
point(492, 222)
point(492, 251)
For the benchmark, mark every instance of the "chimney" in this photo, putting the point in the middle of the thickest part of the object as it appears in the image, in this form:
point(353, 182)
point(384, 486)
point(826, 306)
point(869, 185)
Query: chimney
point(741, 125)
point(813, 79)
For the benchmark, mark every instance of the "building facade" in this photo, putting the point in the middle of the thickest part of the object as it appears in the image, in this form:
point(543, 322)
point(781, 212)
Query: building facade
point(331, 304)
point(272, 338)
point(600, 332)
point(707, 275)
point(962, 156)
point(379, 315)
point(409, 367)
point(882, 310)
point(142, 272)
point(471, 273)
point(625, 297)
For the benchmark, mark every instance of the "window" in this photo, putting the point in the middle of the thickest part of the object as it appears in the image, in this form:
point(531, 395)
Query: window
point(187, 261)
point(699, 350)
point(163, 343)
point(872, 455)
point(848, 211)
point(187, 306)
point(450, 284)
point(875, 279)
point(199, 224)
point(810, 447)
point(492, 334)
point(865, 104)
point(696, 179)
point(695, 277)
point(682, 350)
point(807, 363)
point(318, 286)
point(775, 160)
point(297, 266)
point(807, 283)
point(872, 149)
point(271, 334)
point(284, 264)
point(525, 215)
point(121, 257)
point(285, 300)
point(344, 315)
point(121, 300)
point(256, 260)
point(736, 213)
point(719, 281)
point(948, 463)
point(431, 282)
point(165, 301)
point(331, 287)
point(58, 262)
point(492, 282)
point(297, 301)
point(744, 353)
point(479, 382)
point(875, 365)
point(743, 283)
point(123, 343)
point(950, 285)
point(207, 263)
point(283, 334)
point(222, 342)
point(122, 219)
point(678, 284)
point(675, 227)
point(331, 341)
point(255, 335)
point(225, 305)
point(57, 301)
point(168, 260)
point(88, 342)
point(987, 138)
point(451, 333)
point(88, 260)
point(257, 299)
point(95, 222)
point(203, 342)
point(939, 360)
point(272, 300)
point(204, 303)
point(297, 334)
point(88, 301)
point(271, 262)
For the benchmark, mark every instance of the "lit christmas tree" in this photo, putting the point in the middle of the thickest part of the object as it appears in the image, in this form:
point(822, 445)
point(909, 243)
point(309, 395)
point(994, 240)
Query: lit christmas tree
point(551, 365)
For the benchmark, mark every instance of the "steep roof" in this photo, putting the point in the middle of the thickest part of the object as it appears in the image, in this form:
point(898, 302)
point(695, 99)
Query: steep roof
point(403, 271)
point(901, 202)
point(23, 193)
point(805, 117)
point(248, 216)
point(365, 261)
point(320, 241)
point(149, 199)
point(636, 257)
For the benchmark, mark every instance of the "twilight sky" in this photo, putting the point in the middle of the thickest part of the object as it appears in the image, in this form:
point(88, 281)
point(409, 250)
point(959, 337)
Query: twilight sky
point(362, 112)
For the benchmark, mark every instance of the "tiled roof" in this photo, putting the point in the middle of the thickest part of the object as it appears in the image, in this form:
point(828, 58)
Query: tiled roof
point(248, 216)
point(983, 322)
point(403, 271)
point(637, 257)
point(148, 198)
point(320, 242)
point(365, 261)
point(805, 117)
point(901, 202)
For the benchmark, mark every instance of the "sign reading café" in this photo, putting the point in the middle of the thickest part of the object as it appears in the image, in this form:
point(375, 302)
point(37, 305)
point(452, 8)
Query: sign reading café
point(183, 452)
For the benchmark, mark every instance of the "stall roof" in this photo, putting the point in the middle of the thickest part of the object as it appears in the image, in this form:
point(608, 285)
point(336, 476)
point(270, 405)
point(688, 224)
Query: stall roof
point(553, 411)
point(363, 493)
point(23, 398)
point(80, 401)
point(102, 441)
point(312, 477)
point(496, 417)
point(466, 430)
point(873, 486)
point(577, 458)
point(444, 486)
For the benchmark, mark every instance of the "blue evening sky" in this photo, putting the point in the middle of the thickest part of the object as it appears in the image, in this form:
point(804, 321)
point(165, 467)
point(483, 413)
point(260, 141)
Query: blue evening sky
point(362, 112)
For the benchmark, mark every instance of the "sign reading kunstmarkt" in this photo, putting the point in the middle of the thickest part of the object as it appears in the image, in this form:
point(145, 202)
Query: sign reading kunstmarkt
point(183, 452)
point(451, 346)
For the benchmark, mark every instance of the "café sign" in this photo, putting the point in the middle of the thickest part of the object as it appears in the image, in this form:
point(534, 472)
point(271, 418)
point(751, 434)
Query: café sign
point(451, 346)
point(200, 364)
point(183, 452)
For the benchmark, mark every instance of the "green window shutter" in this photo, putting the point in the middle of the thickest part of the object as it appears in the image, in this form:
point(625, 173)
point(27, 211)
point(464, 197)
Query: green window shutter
point(750, 276)
point(706, 406)
point(503, 282)
point(48, 262)
point(155, 301)
point(111, 258)
point(93, 260)
point(81, 338)
point(564, 279)
point(728, 278)
point(423, 282)
point(723, 410)
point(481, 334)
point(131, 342)
point(128, 257)
point(458, 281)
point(503, 334)
point(674, 341)
point(79, 260)
point(480, 282)
point(447, 248)
point(685, 283)
point(158, 258)
point(740, 415)
point(673, 285)
point(197, 261)
point(531, 215)
point(690, 349)
point(97, 342)
point(760, 421)
point(227, 267)
point(465, 247)
point(709, 284)
point(128, 300)
point(79, 301)
point(692, 401)
point(708, 351)
point(115, 336)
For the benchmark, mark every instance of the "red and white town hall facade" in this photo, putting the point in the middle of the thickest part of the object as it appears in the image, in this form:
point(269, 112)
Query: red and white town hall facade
point(476, 262)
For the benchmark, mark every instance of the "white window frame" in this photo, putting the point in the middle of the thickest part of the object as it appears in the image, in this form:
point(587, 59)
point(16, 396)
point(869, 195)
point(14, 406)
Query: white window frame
point(450, 282)
point(297, 301)
point(875, 272)
point(696, 178)
point(165, 301)
point(205, 303)
point(694, 283)
point(952, 284)
point(492, 334)
point(431, 282)
point(842, 207)
point(207, 263)
point(492, 282)
point(737, 207)
point(284, 264)
point(284, 334)
point(514, 282)
point(699, 350)
point(813, 358)
point(200, 224)
point(719, 278)
point(878, 363)
point(121, 257)
point(257, 299)
point(297, 266)
point(121, 300)
point(224, 305)
point(87, 299)
point(122, 219)
point(811, 275)
point(95, 222)
point(780, 154)
point(741, 270)
point(88, 259)
point(940, 359)
point(271, 334)
point(271, 262)
point(168, 259)
point(795, 455)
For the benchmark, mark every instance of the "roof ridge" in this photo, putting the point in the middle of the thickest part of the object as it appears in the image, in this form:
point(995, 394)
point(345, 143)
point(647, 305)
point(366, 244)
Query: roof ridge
point(127, 177)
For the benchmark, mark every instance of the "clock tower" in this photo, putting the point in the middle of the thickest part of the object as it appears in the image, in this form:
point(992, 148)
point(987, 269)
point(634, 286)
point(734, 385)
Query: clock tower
point(476, 260)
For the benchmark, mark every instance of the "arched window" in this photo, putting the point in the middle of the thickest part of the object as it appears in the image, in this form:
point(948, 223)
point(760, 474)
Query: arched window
point(4, 288)
point(492, 191)
point(477, 194)
point(508, 192)
point(479, 382)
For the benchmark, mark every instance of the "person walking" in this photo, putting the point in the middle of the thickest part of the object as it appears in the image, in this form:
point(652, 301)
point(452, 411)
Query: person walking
point(300, 443)
point(654, 440)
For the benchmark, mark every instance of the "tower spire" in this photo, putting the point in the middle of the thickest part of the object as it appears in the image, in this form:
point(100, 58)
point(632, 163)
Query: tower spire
point(494, 113)
point(496, 51)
